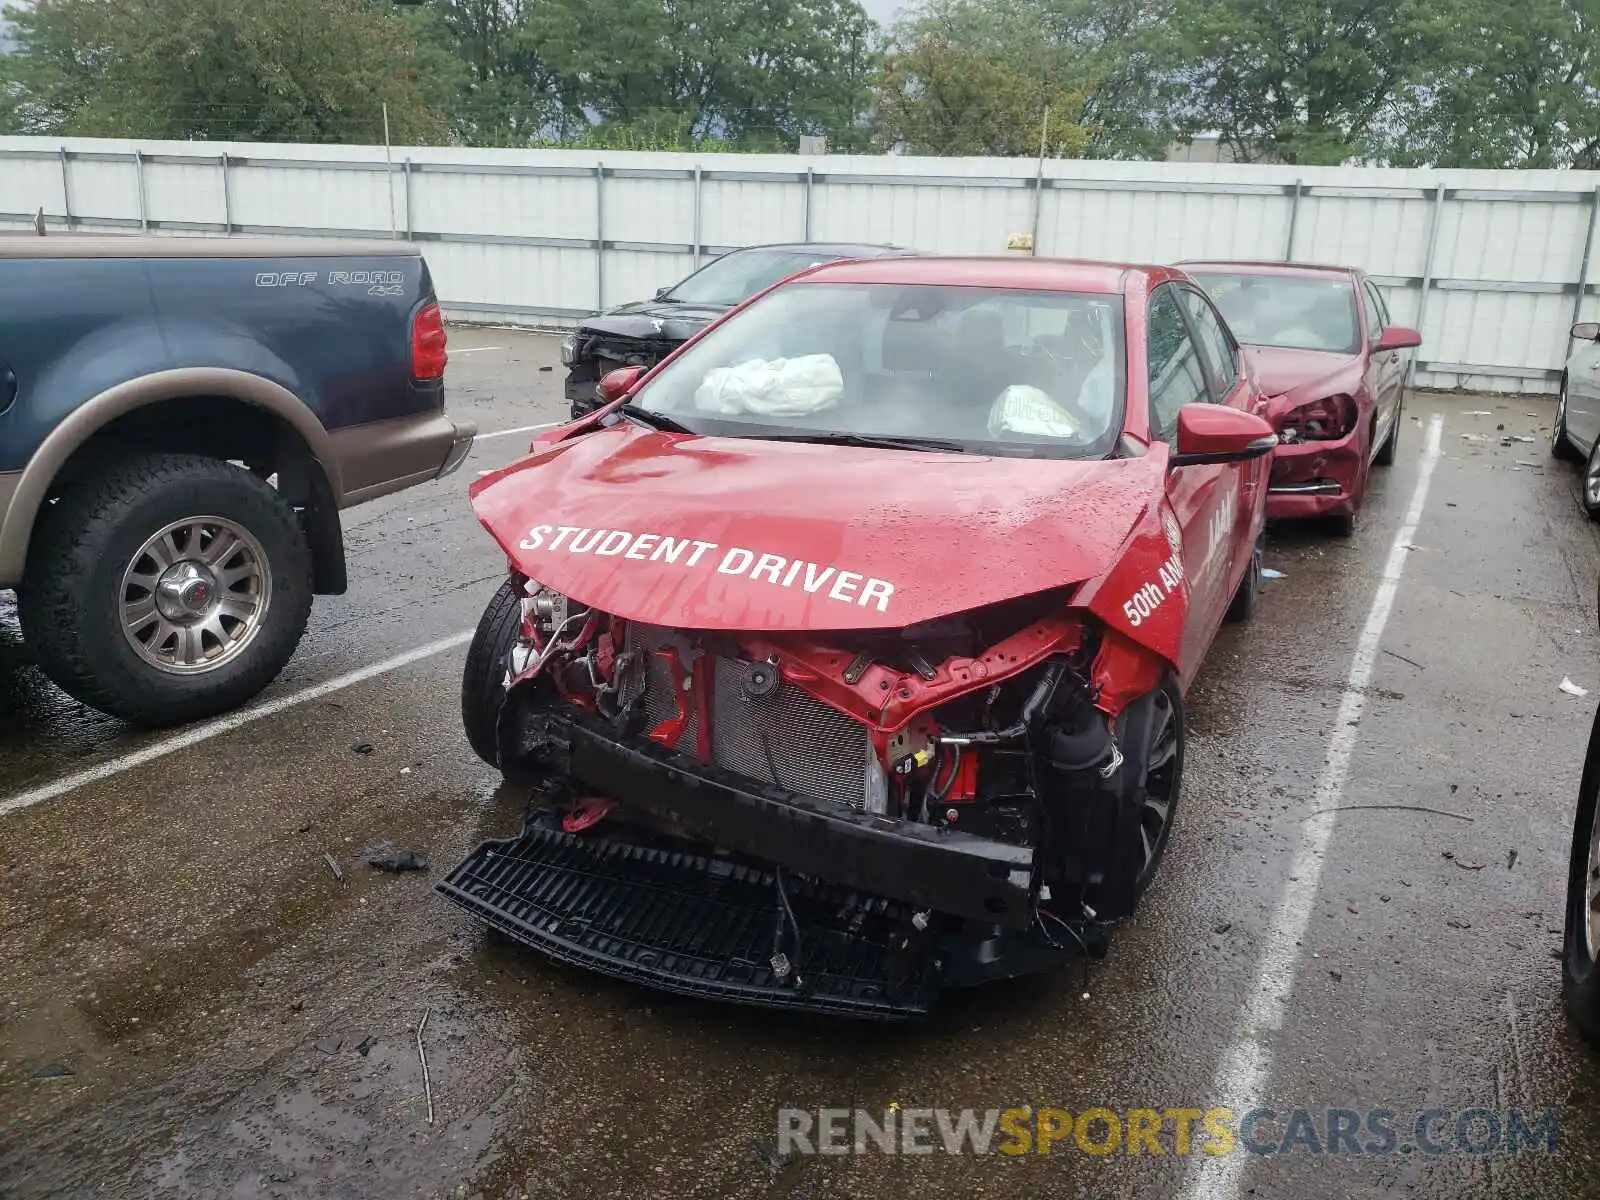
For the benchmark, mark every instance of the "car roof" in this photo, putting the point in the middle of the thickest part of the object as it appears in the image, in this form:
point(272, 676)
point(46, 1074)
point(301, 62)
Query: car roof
point(1023, 273)
point(838, 249)
point(1248, 266)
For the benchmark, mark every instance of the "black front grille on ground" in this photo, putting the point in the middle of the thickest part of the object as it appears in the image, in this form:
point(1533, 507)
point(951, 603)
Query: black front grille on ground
point(694, 924)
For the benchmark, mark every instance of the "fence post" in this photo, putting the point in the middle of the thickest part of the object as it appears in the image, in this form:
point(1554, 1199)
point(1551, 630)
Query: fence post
point(1427, 270)
point(809, 180)
point(599, 236)
point(138, 180)
point(66, 188)
point(407, 168)
point(697, 216)
point(227, 197)
point(1588, 249)
point(1294, 219)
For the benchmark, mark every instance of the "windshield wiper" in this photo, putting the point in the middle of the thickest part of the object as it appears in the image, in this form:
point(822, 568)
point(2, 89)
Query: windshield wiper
point(653, 420)
point(877, 442)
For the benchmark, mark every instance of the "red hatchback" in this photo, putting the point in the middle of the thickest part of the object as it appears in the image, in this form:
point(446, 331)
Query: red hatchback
point(1334, 366)
point(844, 652)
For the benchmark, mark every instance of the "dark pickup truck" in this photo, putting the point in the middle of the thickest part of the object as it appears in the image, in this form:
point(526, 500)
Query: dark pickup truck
point(181, 422)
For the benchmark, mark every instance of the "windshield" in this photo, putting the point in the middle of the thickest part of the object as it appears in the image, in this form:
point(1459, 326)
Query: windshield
point(740, 274)
point(981, 369)
point(1295, 312)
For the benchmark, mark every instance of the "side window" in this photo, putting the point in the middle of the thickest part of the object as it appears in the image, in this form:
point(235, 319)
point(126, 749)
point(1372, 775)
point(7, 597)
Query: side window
point(1214, 339)
point(1377, 311)
point(1176, 376)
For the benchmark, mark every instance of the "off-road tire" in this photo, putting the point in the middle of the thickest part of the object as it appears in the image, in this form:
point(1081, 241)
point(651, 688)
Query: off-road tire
point(70, 603)
point(483, 689)
point(1248, 595)
point(1580, 975)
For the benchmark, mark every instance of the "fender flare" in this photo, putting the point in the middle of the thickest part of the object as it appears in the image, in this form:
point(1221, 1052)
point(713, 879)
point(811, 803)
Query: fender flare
point(16, 523)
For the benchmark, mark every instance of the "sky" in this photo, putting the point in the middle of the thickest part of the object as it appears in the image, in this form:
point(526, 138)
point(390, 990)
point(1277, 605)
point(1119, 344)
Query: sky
point(882, 11)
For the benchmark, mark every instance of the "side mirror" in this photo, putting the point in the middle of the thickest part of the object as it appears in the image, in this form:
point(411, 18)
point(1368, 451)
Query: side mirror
point(614, 385)
point(1586, 331)
point(1215, 433)
point(1397, 337)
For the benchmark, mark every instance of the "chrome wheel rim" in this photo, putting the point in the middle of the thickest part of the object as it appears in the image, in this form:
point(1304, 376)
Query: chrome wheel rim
point(195, 595)
point(1160, 784)
point(1591, 893)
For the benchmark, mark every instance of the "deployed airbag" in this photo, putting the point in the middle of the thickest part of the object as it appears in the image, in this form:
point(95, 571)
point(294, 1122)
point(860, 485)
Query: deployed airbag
point(779, 387)
point(1029, 411)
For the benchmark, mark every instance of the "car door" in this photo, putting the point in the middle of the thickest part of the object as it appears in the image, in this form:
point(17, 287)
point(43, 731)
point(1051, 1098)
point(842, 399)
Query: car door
point(1583, 394)
point(1203, 498)
point(1386, 371)
point(1229, 383)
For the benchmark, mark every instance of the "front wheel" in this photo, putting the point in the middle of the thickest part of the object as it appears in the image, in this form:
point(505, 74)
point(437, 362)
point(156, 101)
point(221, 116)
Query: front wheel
point(1560, 447)
point(1152, 736)
point(1591, 483)
point(169, 588)
point(1580, 973)
point(483, 678)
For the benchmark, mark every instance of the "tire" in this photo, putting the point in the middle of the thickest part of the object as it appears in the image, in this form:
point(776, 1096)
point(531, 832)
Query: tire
point(1391, 444)
point(1152, 734)
point(483, 689)
point(1248, 595)
point(1343, 525)
point(1560, 447)
point(1589, 488)
point(1580, 975)
point(228, 638)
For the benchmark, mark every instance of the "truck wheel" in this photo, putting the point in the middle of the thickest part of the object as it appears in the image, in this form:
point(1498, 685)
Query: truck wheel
point(483, 679)
point(168, 588)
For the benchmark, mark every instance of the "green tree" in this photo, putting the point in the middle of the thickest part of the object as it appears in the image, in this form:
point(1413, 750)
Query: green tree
point(1307, 81)
point(974, 77)
point(268, 70)
point(753, 72)
point(1512, 89)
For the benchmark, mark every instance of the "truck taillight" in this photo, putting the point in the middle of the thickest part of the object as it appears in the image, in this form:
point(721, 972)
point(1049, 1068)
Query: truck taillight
point(428, 355)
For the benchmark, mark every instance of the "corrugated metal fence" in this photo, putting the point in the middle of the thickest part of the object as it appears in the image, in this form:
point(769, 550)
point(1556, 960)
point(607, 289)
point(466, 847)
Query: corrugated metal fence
point(1492, 265)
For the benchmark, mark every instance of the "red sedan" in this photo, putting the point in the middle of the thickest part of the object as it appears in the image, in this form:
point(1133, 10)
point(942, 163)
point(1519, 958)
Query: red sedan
point(1333, 364)
point(845, 650)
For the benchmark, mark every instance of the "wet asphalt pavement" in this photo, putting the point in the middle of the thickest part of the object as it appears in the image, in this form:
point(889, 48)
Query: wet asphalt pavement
point(191, 1004)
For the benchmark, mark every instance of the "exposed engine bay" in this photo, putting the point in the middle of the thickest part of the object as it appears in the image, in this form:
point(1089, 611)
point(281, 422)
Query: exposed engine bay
point(959, 770)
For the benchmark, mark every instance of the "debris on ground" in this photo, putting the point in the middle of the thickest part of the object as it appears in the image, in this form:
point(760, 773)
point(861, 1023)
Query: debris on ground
point(422, 1056)
point(1404, 659)
point(362, 748)
point(1572, 689)
point(1270, 573)
point(1478, 412)
point(1336, 976)
point(1511, 859)
point(1467, 866)
point(330, 1044)
point(1222, 927)
point(366, 1044)
point(333, 866)
point(395, 864)
point(1458, 923)
point(53, 1071)
point(547, 368)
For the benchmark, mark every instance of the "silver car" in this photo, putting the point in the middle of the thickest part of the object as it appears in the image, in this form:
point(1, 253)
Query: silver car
point(1575, 436)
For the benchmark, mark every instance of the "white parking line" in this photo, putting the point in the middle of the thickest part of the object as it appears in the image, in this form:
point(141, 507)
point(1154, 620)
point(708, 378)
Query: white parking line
point(520, 429)
point(1243, 1073)
point(472, 349)
point(227, 724)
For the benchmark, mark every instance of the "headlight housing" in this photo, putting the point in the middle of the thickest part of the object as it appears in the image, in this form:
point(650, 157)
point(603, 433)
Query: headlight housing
point(1326, 419)
point(569, 349)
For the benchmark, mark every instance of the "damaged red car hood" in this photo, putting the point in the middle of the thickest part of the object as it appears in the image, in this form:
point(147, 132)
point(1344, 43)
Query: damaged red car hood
point(1280, 371)
point(742, 534)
